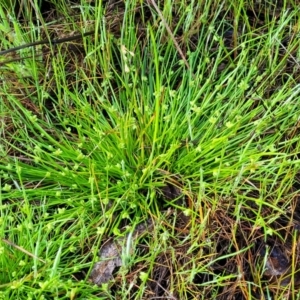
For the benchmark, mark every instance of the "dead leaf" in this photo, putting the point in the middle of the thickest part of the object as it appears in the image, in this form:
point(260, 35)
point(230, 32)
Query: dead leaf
point(110, 255)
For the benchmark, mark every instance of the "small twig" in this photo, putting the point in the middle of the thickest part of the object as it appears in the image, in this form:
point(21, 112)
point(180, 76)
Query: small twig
point(289, 52)
point(170, 33)
point(22, 250)
point(46, 41)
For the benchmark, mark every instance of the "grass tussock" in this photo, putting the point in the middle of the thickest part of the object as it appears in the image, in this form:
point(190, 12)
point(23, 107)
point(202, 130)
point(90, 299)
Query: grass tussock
point(182, 115)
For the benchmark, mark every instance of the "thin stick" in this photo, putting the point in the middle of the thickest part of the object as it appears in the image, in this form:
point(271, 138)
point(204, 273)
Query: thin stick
point(22, 250)
point(170, 33)
point(46, 41)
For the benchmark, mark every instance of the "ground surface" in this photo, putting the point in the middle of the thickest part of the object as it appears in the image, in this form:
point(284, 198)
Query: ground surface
point(150, 151)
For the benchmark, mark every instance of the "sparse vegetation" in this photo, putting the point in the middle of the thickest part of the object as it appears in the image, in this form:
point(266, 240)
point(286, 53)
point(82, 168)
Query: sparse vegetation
point(171, 132)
